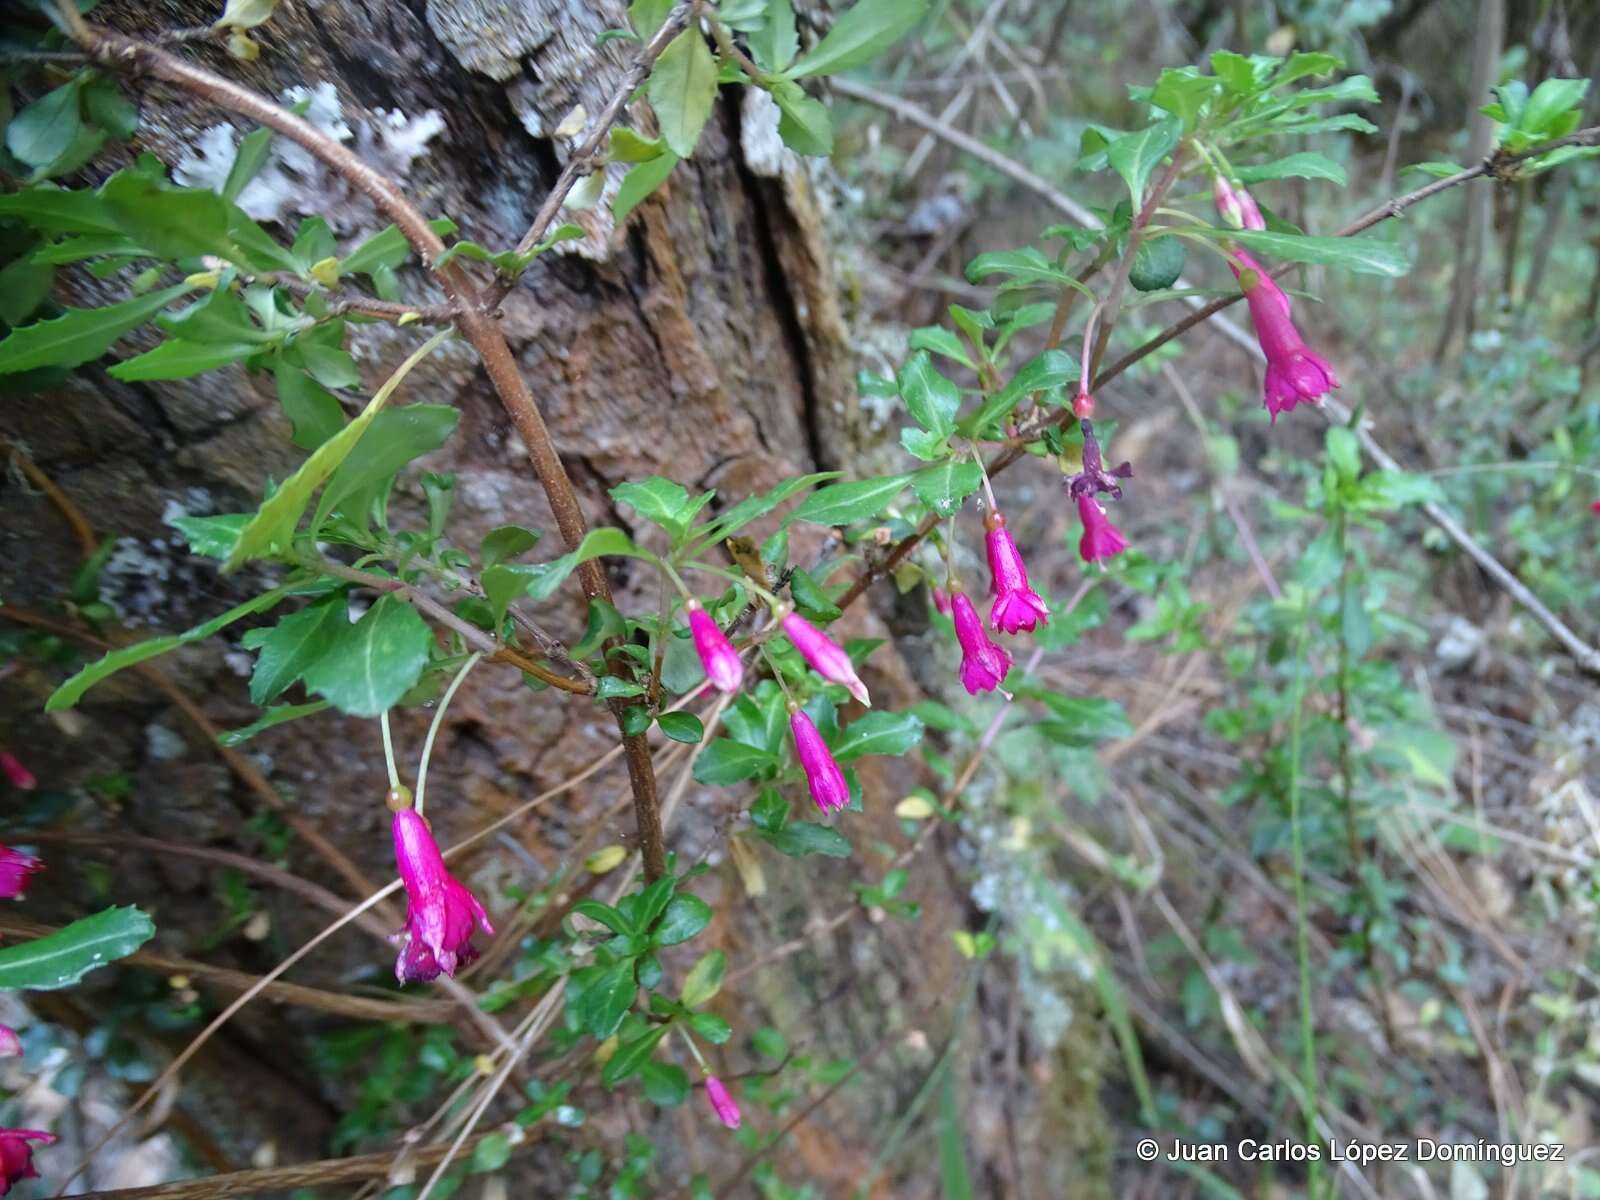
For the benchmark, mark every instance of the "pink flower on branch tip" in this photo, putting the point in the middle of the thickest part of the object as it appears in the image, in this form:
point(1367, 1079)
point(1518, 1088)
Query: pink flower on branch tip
point(983, 663)
point(1237, 206)
point(726, 1107)
point(440, 912)
point(827, 782)
point(1016, 605)
point(717, 655)
point(1101, 539)
point(10, 1045)
point(1296, 374)
point(16, 1156)
point(15, 867)
point(17, 775)
point(827, 657)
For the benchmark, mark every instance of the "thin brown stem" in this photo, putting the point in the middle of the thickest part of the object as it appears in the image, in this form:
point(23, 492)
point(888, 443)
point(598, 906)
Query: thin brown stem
point(70, 512)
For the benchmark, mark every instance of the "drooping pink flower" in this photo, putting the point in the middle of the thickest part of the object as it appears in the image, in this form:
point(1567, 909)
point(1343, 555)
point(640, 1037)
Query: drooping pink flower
point(17, 775)
point(439, 911)
point(1237, 206)
point(15, 867)
point(827, 657)
point(941, 600)
point(1595, 507)
point(726, 1107)
point(1093, 477)
point(1101, 539)
point(1296, 374)
point(823, 776)
point(717, 655)
point(1016, 605)
point(10, 1044)
point(16, 1156)
point(983, 663)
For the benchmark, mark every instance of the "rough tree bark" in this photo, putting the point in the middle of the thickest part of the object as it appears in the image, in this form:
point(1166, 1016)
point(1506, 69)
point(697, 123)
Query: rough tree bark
point(704, 342)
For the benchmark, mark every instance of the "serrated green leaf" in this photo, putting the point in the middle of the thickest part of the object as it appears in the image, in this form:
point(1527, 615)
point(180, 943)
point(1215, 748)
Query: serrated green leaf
point(213, 537)
point(803, 122)
point(931, 399)
point(506, 542)
point(1135, 155)
point(681, 89)
point(777, 41)
point(56, 210)
point(1305, 165)
point(1027, 266)
point(374, 662)
point(859, 35)
point(685, 916)
point(891, 733)
point(752, 508)
point(287, 649)
point(278, 714)
point(844, 503)
point(178, 359)
point(314, 413)
point(394, 439)
point(943, 486)
point(605, 999)
point(545, 578)
point(1041, 373)
point(62, 958)
point(80, 335)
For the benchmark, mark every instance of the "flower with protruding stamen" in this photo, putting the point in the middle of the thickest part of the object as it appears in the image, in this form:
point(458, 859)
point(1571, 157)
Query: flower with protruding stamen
point(726, 1107)
point(440, 911)
point(1016, 605)
point(827, 782)
point(983, 663)
point(827, 657)
point(717, 655)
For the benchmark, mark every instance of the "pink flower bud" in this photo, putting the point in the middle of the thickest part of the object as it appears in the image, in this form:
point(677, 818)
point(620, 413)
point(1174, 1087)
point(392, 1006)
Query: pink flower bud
point(1083, 405)
point(727, 1109)
point(941, 601)
point(1295, 374)
point(10, 1045)
point(17, 775)
point(1101, 539)
point(983, 664)
point(1016, 605)
point(440, 912)
point(1237, 206)
point(717, 655)
point(823, 776)
point(15, 867)
point(16, 1156)
point(827, 657)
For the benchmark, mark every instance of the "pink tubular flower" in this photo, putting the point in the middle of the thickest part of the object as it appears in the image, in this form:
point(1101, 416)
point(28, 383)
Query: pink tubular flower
point(983, 664)
point(1016, 605)
point(941, 600)
point(1101, 539)
point(727, 1108)
point(717, 655)
point(16, 1156)
point(15, 867)
point(1237, 206)
point(16, 774)
point(439, 910)
point(1296, 374)
point(823, 777)
point(827, 657)
point(10, 1045)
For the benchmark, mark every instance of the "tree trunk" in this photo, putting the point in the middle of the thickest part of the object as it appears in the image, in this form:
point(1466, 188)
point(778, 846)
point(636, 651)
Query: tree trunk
point(703, 342)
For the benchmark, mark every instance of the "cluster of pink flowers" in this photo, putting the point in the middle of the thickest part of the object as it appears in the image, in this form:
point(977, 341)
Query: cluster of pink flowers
point(1295, 373)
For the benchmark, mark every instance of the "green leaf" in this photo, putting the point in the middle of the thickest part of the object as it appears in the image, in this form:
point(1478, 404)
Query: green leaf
point(953, 1172)
point(800, 838)
point(1157, 263)
point(70, 692)
point(638, 183)
point(777, 41)
point(80, 335)
point(394, 438)
point(752, 508)
point(682, 727)
point(665, 1084)
point(844, 503)
point(931, 399)
point(56, 210)
point(630, 1057)
point(213, 537)
point(606, 997)
point(1135, 155)
point(107, 107)
point(545, 578)
point(331, 366)
point(628, 145)
point(291, 646)
point(726, 761)
point(44, 130)
point(662, 502)
point(891, 733)
point(1365, 255)
point(710, 1027)
point(1310, 63)
point(255, 148)
point(314, 413)
point(174, 222)
point(943, 486)
point(494, 1151)
point(605, 915)
point(1305, 165)
point(859, 35)
point(386, 248)
point(1027, 266)
point(1185, 93)
point(1080, 720)
point(178, 359)
point(1238, 73)
point(704, 979)
point(685, 917)
point(1041, 373)
point(647, 16)
point(1551, 100)
point(803, 122)
point(278, 714)
point(274, 523)
point(60, 959)
point(374, 662)
point(506, 542)
point(681, 90)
